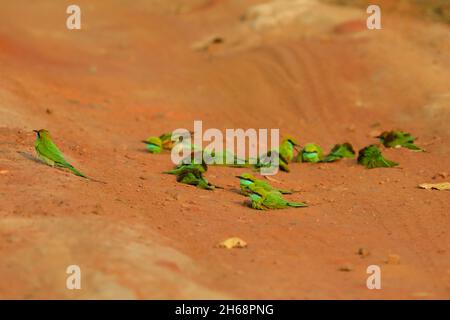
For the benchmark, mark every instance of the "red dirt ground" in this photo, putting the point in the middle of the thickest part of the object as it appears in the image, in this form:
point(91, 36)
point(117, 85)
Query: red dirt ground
point(134, 70)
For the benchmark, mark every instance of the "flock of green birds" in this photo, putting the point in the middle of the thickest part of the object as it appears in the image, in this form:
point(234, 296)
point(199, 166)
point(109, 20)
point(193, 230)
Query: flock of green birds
point(261, 194)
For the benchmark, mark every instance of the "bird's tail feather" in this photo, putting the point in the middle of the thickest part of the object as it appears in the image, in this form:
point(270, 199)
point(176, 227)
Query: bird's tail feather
point(297, 204)
point(76, 172)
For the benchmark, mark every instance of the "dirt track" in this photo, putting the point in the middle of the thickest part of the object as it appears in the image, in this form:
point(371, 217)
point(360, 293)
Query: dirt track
point(135, 71)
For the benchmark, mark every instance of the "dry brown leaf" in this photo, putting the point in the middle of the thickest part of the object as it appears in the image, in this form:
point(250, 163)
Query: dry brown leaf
point(233, 242)
point(437, 186)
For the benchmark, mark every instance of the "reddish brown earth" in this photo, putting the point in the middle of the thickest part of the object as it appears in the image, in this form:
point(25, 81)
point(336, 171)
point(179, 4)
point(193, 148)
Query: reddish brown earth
point(144, 68)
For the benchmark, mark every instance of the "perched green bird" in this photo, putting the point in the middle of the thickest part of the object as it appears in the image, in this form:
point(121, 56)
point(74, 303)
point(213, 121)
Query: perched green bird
point(397, 139)
point(340, 151)
point(287, 148)
point(371, 157)
point(49, 152)
point(247, 180)
point(310, 153)
point(265, 200)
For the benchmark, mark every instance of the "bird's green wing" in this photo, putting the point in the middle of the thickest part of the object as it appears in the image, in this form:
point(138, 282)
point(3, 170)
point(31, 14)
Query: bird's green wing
point(266, 186)
point(297, 204)
point(153, 148)
point(195, 178)
point(188, 178)
point(204, 184)
point(256, 201)
point(412, 146)
point(371, 157)
point(286, 152)
point(283, 165)
point(48, 150)
point(393, 139)
point(274, 201)
point(245, 190)
point(332, 158)
point(165, 137)
point(340, 151)
point(154, 144)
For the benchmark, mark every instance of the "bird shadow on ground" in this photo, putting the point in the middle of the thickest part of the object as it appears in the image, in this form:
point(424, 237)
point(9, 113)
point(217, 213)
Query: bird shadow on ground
point(142, 150)
point(235, 190)
point(59, 169)
point(29, 157)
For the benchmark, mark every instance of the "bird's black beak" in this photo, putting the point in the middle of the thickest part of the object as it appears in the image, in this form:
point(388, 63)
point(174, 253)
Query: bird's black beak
point(37, 131)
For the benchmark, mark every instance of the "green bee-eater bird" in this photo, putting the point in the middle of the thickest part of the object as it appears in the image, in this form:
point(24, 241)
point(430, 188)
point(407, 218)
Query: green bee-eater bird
point(266, 200)
point(371, 157)
point(287, 147)
point(192, 173)
point(49, 152)
point(157, 144)
point(195, 178)
point(264, 161)
point(397, 139)
point(310, 153)
point(340, 151)
point(222, 156)
point(247, 180)
point(285, 154)
point(154, 144)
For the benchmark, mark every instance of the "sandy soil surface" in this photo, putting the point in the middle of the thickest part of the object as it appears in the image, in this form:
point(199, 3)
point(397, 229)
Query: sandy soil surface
point(141, 68)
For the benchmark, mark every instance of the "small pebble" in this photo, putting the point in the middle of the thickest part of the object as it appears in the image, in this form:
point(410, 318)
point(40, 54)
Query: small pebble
point(393, 259)
point(363, 252)
point(346, 267)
